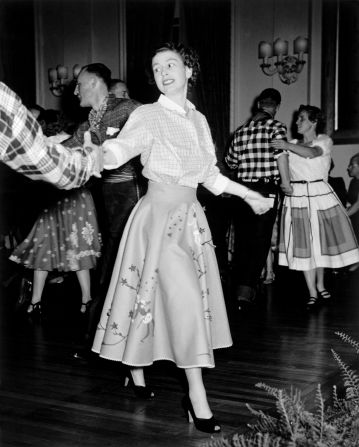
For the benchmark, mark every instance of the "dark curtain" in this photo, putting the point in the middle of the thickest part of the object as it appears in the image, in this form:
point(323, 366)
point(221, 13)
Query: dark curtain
point(149, 24)
point(17, 69)
point(206, 26)
point(17, 47)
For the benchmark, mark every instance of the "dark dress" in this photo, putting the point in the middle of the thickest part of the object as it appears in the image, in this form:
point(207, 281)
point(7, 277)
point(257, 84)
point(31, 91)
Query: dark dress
point(353, 193)
point(65, 236)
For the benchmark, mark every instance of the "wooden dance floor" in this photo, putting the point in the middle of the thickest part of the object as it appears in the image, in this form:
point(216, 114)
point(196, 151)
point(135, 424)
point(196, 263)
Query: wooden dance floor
point(48, 398)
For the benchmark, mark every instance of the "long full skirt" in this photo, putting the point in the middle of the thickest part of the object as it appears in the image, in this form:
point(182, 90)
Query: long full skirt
point(65, 237)
point(165, 300)
point(315, 230)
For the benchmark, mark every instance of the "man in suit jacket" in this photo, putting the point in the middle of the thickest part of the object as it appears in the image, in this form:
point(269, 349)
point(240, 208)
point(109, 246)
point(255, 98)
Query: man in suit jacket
point(117, 192)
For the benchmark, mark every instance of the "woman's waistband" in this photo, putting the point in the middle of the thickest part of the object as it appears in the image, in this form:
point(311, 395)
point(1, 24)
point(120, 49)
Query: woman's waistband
point(170, 191)
point(307, 181)
point(263, 180)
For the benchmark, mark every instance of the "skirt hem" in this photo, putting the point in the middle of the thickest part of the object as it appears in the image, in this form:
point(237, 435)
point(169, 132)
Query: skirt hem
point(211, 365)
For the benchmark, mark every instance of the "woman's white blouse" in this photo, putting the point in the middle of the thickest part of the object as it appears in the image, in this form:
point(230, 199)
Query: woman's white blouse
point(316, 168)
point(176, 146)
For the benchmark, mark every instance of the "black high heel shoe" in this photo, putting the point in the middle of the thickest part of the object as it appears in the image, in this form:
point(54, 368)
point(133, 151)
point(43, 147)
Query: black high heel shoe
point(206, 425)
point(85, 306)
point(34, 309)
point(143, 392)
point(312, 303)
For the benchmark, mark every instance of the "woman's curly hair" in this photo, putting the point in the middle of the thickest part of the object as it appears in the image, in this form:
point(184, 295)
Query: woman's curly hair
point(189, 56)
point(315, 115)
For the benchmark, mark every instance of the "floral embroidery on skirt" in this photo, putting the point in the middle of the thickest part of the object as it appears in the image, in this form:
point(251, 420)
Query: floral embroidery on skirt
point(65, 237)
point(165, 300)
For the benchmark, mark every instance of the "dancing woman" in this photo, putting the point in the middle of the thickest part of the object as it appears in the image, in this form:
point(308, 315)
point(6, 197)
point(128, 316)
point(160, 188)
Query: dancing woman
point(315, 231)
point(165, 300)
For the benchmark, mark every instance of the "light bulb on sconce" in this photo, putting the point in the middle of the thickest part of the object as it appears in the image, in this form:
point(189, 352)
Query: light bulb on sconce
point(288, 67)
point(58, 77)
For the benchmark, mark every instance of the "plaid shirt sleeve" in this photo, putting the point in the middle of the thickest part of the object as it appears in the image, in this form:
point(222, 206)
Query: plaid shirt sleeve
point(232, 157)
point(279, 133)
point(24, 148)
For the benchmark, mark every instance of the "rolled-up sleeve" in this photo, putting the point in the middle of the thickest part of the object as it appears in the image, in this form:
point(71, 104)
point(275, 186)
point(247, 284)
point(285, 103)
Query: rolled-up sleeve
point(219, 185)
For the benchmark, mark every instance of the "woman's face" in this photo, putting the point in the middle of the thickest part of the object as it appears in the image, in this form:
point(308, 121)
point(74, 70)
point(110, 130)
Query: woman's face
point(304, 125)
point(170, 73)
point(353, 169)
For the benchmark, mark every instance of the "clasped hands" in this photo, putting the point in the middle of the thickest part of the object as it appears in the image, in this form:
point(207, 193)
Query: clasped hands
point(258, 203)
point(102, 156)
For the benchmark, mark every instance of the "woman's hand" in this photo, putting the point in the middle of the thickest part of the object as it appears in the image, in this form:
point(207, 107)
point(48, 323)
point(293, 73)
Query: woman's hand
point(258, 203)
point(287, 188)
point(109, 158)
point(279, 144)
point(98, 167)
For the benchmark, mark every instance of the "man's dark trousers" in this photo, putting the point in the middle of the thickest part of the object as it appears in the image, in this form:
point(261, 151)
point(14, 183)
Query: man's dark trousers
point(253, 234)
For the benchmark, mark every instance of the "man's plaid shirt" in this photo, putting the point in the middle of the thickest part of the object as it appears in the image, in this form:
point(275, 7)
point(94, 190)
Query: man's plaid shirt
point(24, 148)
point(250, 151)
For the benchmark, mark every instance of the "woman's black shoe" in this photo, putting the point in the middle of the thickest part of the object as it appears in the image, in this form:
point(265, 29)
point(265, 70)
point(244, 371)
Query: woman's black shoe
point(25, 295)
point(312, 302)
point(85, 306)
point(324, 294)
point(143, 392)
point(206, 425)
point(34, 309)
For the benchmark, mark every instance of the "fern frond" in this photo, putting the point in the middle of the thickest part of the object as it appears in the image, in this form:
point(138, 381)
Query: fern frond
point(218, 442)
point(281, 406)
point(293, 426)
point(258, 440)
point(349, 340)
point(335, 396)
point(270, 390)
point(320, 411)
point(351, 380)
point(265, 423)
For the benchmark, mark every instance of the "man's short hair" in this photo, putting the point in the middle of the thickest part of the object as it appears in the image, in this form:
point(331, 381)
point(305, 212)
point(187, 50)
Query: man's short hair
point(114, 82)
point(100, 70)
point(269, 97)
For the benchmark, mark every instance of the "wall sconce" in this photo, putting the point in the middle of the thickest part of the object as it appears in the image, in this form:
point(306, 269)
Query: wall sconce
point(58, 76)
point(287, 67)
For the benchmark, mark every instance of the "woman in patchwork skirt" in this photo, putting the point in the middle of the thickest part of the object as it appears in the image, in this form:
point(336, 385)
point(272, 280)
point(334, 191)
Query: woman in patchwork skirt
point(64, 238)
point(315, 231)
point(165, 300)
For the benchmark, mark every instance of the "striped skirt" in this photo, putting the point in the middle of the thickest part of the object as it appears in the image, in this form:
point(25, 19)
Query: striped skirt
point(315, 230)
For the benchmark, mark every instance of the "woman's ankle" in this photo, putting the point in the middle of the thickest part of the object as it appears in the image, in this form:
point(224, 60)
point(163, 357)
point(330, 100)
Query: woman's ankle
point(138, 376)
point(200, 405)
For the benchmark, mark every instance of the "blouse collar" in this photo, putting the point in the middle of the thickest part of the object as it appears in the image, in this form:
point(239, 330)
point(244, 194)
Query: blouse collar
point(171, 105)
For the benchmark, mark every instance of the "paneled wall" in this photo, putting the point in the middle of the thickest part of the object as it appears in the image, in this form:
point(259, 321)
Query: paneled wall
point(80, 32)
point(70, 32)
point(77, 32)
point(257, 20)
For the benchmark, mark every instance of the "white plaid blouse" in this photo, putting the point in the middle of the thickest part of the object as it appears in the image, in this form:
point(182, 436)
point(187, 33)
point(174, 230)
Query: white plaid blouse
point(176, 146)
